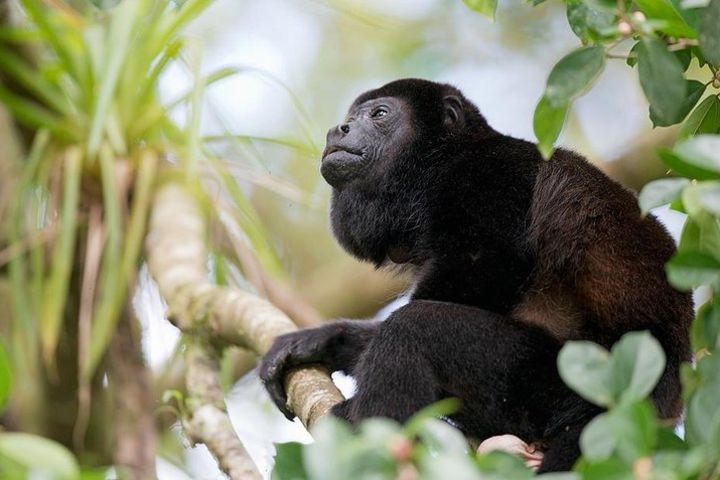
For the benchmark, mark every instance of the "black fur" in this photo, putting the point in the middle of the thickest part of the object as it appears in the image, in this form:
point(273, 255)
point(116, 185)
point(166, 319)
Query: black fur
point(513, 256)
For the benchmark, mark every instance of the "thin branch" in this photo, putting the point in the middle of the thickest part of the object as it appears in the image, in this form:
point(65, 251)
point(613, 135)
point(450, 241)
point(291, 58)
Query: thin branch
point(209, 422)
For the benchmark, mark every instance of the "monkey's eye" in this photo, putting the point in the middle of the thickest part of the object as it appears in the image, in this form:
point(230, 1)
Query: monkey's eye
point(379, 112)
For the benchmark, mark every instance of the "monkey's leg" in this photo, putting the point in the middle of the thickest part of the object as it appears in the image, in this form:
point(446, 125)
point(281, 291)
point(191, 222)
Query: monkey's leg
point(562, 451)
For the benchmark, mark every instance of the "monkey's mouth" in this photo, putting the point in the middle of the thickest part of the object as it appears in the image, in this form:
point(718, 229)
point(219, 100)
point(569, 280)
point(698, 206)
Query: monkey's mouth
point(331, 149)
point(341, 165)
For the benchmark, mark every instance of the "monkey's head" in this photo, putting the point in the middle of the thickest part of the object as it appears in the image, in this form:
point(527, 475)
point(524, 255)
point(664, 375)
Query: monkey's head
point(380, 159)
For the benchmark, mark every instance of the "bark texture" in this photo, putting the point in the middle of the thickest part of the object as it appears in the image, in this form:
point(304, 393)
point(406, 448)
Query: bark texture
point(177, 257)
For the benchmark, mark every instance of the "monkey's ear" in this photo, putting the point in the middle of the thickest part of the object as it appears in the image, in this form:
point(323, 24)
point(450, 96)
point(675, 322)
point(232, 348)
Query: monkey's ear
point(453, 111)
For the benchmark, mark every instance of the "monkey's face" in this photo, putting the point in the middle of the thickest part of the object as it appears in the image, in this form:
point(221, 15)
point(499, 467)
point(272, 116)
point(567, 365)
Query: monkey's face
point(374, 133)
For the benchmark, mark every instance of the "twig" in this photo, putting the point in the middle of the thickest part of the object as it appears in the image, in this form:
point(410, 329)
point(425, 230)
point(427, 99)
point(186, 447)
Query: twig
point(209, 422)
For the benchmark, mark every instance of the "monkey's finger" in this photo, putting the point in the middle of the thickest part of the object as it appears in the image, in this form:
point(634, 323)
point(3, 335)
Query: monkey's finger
point(533, 465)
point(272, 375)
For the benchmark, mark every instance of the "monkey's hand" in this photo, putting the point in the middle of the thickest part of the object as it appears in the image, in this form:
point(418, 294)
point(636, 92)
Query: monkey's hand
point(514, 446)
point(336, 345)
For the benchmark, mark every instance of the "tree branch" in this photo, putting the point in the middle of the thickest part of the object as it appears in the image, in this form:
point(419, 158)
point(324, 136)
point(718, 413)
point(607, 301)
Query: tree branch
point(177, 258)
point(209, 422)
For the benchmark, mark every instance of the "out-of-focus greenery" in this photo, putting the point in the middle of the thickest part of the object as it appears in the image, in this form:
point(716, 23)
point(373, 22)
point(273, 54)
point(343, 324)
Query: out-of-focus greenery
point(82, 83)
point(628, 441)
point(666, 37)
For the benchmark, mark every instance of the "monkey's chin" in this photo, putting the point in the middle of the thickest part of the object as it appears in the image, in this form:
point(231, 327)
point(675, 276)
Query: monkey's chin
point(340, 167)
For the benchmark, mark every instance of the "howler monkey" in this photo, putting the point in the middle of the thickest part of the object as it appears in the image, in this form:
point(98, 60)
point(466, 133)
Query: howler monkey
point(513, 255)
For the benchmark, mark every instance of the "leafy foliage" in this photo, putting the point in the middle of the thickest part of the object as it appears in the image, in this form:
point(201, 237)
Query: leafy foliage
point(661, 37)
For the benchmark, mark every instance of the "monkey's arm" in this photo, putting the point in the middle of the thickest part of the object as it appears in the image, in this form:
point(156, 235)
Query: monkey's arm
point(337, 346)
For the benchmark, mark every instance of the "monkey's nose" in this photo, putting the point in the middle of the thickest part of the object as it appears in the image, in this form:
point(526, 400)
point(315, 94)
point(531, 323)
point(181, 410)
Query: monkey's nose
point(344, 128)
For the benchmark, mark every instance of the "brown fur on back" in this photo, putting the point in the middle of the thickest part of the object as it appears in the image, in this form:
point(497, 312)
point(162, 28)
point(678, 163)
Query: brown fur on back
point(600, 270)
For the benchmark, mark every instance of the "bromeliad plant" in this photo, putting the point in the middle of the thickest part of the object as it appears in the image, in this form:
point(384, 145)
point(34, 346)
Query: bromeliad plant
point(81, 83)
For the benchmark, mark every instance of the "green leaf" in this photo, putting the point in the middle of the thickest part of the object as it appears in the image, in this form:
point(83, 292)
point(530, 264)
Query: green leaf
point(597, 441)
point(704, 119)
point(498, 466)
point(673, 24)
point(5, 377)
point(441, 438)
point(441, 408)
point(681, 167)
point(662, 79)
point(289, 462)
point(573, 74)
point(39, 454)
point(635, 428)
point(58, 284)
point(661, 192)
point(547, 124)
point(688, 270)
point(588, 23)
point(586, 367)
point(694, 90)
point(705, 331)
point(483, 7)
point(638, 362)
point(632, 55)
point(702, 197)
point(709, 37)
point(702, 151)
point(611, 469)
point(448, 466)
point(703, 408)
point(120, 37)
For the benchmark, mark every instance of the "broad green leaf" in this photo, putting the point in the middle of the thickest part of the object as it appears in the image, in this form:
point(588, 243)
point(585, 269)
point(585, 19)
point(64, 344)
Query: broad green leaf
point(40, 455)
point(704, 119)
point(635, 428)
point(609, 469)
point(597, 441)
point(662, 79)
point(688, 270)
point(560, 476)
point(289, 462)
point(5, 377)
point(703, 408)
point(632, 55)
point(673, 24)
point(705, 332)
point(661, 192)
point(380, 430)
point(681, 167)
point(500, 466)
point(702, 197)
point(573, 74)
point(701, 232)
point(441, 438)
point(702, 151)
point(709, 36)
point(453, 466)
point(442, 408)
point(586, 368)
point(638, 362)
point(483, 7)
point(547, 124)
point(694, 90)
point(586, 22)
